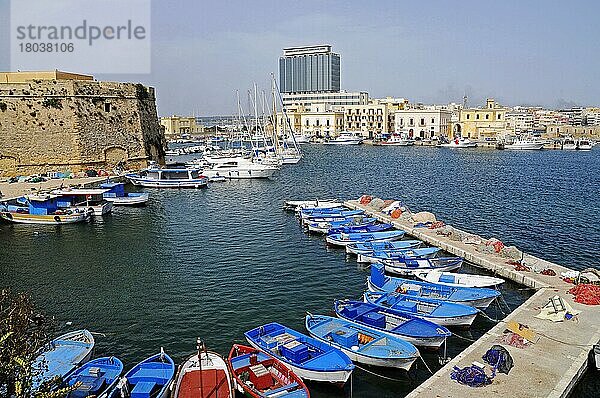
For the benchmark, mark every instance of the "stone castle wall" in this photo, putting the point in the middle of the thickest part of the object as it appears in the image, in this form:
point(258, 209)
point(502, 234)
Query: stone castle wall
point(72, 125)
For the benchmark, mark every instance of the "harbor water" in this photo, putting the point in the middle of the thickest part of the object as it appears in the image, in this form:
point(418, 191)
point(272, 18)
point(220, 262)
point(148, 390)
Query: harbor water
point(216, 262)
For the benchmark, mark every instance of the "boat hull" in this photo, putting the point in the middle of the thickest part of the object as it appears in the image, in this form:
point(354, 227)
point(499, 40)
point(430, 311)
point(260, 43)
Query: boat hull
point(241, 174)
point(151, 183)
point(52, 219)
point(464, 280)
point(137, 200)
point(399, 267)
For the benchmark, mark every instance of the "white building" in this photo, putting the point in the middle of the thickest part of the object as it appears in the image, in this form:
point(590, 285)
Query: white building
point(333, 99)
point(321, 121)
point(519, 121)
point(371, 120)
point(422, 123)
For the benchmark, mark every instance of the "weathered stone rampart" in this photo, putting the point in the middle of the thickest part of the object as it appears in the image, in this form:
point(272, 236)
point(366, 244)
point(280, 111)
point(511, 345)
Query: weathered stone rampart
point(72, 125)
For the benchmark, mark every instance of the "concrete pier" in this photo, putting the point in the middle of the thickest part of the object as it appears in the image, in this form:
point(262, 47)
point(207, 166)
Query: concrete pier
point(550, 366)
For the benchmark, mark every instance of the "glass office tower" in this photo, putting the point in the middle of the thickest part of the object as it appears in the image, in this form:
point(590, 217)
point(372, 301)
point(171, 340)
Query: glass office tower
point(309, 69)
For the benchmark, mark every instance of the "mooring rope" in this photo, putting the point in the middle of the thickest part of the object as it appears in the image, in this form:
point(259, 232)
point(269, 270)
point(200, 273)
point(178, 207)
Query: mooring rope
point(377, 374)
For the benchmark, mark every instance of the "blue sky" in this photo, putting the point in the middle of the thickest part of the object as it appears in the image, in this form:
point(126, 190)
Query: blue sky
point(520, 52)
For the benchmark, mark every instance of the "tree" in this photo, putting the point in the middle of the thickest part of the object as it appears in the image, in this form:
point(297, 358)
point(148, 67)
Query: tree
point(23, 331)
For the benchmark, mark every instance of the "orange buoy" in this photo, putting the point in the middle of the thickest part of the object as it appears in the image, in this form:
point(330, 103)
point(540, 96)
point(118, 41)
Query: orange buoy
point(396, 213)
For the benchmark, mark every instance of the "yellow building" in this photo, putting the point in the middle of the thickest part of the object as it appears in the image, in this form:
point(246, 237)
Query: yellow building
point(481, 123)
point(564, 130)
point(176, 126)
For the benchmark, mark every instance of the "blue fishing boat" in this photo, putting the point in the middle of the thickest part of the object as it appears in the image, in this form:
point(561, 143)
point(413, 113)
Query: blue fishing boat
point(330, 215)
point(403, 324)
point(367, 247)
point(437, 311)
point(326, 226)
point(361, 344)
point(148, 379)
point(473, 296)
point(377, 256)
point(332, 219)
point(94, 377)
point(347, 239)
point(306, 356)
point(117, 195)
point(361, 228)
point(59, 357)
point(321, 211)
point(40, 209)
point(409, 266)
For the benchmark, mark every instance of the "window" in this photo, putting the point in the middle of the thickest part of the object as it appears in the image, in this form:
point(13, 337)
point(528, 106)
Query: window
point(477, 117)
point(432, 120)
point(327, 122)
point(411, 121)
point(487, 116)
point(422, 121)
point(468, 116)
point(499, 116)
point(107, 107)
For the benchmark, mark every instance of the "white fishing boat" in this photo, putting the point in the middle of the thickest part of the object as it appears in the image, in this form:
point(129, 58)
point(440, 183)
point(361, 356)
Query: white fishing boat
point(584, 144)
point(459, 280)
point(169, 178)
point(525, 145)
point(398, 140)
point(346, 138)
point(569, 144)
point(459, 142)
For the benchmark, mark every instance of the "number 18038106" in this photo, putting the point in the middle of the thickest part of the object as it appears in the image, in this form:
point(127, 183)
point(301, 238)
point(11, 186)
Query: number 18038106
point(46, 47)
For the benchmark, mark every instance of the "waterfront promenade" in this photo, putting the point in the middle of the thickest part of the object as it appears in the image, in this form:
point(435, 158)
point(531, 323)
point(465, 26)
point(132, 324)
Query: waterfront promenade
point(18, 189)
point(550, 366)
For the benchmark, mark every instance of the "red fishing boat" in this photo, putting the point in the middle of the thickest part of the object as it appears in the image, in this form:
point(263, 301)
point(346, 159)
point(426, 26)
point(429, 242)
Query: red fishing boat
point(259, 375)
point(203, 375)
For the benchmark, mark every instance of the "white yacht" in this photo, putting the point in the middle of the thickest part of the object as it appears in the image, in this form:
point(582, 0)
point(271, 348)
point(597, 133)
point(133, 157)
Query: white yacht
point(239, 168)
point(346, 138)
point(398, 140)
point(169, 178)
point(583, 144)
point(459, 142)
point(525, 145)
point(569, 144)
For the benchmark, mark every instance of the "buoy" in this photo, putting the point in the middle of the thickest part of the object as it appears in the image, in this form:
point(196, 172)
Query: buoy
point(396, 213)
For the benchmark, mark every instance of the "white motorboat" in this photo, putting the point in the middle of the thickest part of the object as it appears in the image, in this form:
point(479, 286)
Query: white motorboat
point(299, 138)
point(459, 142)
point(346, 138)
point(569, 144)
point(584, 144)
point(169, 178)
point(525, 145)
point(398, 140)
point(240, 168)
